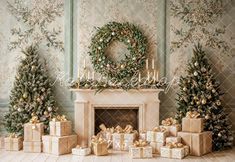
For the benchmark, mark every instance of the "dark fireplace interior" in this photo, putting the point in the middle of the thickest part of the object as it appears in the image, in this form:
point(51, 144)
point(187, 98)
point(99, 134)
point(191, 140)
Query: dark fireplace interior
point(112, 117)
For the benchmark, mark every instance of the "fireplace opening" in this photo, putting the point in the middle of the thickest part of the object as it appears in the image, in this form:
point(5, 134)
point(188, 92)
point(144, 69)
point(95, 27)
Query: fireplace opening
point(114, 116)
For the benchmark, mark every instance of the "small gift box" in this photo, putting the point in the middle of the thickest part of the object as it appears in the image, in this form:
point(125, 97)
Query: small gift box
point(32, 146)
point(80, 151)
point(1, 142)
point(158, 134)
point(60, 126)
point(171, 126)
point(174, 150)
point(140, 150)
point(13, 143)
point(123, 138)
point(173, 139)
point(143, 135)
point(199, 143)
point(59, 145)
point(192, 123)
point(99, 146)
point(156, 146)
point(33, 131)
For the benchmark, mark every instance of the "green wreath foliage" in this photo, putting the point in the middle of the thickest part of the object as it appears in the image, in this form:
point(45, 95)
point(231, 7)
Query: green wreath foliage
point(126, 33)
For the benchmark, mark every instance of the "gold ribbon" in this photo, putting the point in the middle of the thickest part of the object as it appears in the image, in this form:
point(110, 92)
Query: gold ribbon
point(11, 137)
point(192, 114)
point(59, 118)
point(50, 144)
point(140, 144)
point(174, 145)
point(169, 121)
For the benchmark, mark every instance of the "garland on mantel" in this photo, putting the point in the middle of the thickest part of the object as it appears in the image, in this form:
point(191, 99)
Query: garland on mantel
point(99, 86)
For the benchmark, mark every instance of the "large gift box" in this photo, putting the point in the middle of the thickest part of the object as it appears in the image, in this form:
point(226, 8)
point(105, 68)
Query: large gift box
point(157, 135)
point(191, 123)
point(140, 149)
point(199, 143)
point(59, 145)
point(173, 139)
point(33, 131)
point(171, 126)
point(177, 152)
point(60, 126)
point(32, 146)
point(122, 141)
point(1, 142)
point(99, 146)
point(80, 151)
point(13, 143)
point(156, 146)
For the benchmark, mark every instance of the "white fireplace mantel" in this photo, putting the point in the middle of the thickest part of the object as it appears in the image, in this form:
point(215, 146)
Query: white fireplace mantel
point(147, 100)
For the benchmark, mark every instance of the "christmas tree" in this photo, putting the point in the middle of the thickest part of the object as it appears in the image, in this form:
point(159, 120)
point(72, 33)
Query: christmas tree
point(199, 91)
point(31, 94)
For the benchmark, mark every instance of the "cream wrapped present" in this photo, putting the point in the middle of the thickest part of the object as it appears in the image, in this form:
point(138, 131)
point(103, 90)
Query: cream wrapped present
point(158, 134)
point(13, 143)
point(59, 145)
point(99, 146)
point(192, 123)
point(174, 150)
point(173, 139)
point(156, 146)
point(81, 151)
point(171, 126)
point(32, 146)
point(140, 150)
point(1, 142)
point(123, 138)
point(60, 126)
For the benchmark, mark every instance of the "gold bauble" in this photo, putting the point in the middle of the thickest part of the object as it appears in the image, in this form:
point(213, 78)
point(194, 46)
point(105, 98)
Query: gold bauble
point(218, 102)
point(122, 66)
point(198, 102)
point(203, 101)
point(45, 113)
point(207, 117)
point(33, 67)
point(219, 134)
point(38, 99)
point(25, 95)
point(213, 90)
point(184, 89)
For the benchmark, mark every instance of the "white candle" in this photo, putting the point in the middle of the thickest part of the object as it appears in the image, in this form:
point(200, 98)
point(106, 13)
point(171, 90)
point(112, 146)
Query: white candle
point(153, 64)
point(84, 63)
point(78, 73)
point(147, 64)
point(154, 75)
point(148, 77)
point(157, 75)
point(88, 74)
point(93, 75)
point(139, 77)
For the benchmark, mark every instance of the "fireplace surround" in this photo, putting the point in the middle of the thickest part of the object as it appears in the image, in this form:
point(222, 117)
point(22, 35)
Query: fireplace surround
point(146, 101)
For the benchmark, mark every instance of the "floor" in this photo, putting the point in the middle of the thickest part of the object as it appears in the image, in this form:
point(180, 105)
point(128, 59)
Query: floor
point(20, 156)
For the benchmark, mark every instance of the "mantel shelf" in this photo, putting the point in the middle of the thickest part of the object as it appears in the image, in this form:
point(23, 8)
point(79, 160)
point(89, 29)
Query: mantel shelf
point(118, 90)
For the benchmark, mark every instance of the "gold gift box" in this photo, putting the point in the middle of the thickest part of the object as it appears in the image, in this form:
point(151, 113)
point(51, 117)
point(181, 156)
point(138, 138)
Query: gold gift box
point(193, 125)
point(199, 143)
point(153, 136)
point(100, 149)
point(140, 152)
point(175, 153)
point(33, 132)
point(32, 146)
point(13, 143)
point(59, 145)
point(60, 128)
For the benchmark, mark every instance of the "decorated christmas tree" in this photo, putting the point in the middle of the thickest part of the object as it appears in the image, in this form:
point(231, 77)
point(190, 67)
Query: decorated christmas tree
point(200, 91)
point(31, 94)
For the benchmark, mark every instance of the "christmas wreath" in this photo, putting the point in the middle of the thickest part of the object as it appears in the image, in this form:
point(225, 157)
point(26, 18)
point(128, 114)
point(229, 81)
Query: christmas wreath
point(126, 33)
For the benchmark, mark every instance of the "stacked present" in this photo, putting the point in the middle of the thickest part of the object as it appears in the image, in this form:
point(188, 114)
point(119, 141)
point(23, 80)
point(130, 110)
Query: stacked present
point(33, 132)
point(174, 150)
point(99, 146)
point(60, 141)
point(13, 142)
point(140, 149)
point(192, 134)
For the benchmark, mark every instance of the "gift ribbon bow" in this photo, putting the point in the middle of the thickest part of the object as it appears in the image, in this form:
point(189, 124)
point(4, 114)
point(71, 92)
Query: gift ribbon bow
point(192, 114)
point(140, 143)
point(127, 129)
point(159, 129)
point(59, 118)
point(34, 119)
point(168, 121)
point(97, 140)
point(12, 135)
point(174, 145)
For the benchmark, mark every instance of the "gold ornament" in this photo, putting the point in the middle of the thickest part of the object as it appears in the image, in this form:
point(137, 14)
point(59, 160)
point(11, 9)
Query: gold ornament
point(213, 90)
point(218, 102)
point(19, 109)
point(122, 66)
point(108, 66)
point(38, 99)
point(33, 67)
point(49, 109)
point(101, 40)
point(219, 134)
point(99, 48)
point(198, 102)
point(195, 73)
point(113, 33)
point(207, 117)
point(203, 69)
point(196, 64)
point(184, 89)
point(45, 113)
point(203, 101)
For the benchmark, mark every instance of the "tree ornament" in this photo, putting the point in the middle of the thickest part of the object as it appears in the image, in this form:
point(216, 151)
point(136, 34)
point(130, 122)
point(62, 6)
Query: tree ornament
point(19, 109)
point(45, 113)
point(113, 33)
point(25, 95)
point(196, 63)
point(219, 134)
point(198, 102)
point(134, 58)
point(213, 90)
point(38, 99)
point(49, 109)
point(185, 89)
point(33, 68)
point(203, 101)
point(128, 41)
point(195, 73)
point(15, 107)
point(108, 66)
point(122, 66)
point(195, 98)
point(218, 102)
point(207, 117)
point(101, 40)
point(203, 69)
point(99, 48)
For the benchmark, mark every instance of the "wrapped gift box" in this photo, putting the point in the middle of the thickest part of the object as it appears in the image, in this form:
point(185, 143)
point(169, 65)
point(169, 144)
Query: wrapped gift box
point(155, 136)
point(32, 146)
point(59, 145)
point(122, 141)
point(33, 132)
point(60, 128)
point(173, 139)
point(100, 148)
point(143, 135)
point(175, 153)
point(193, 125)
point(81, 151)
point(172, 129)
point(140, 152)
point(1, 142)
point(13, 143)
point(199, 143)
point(156, 146)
